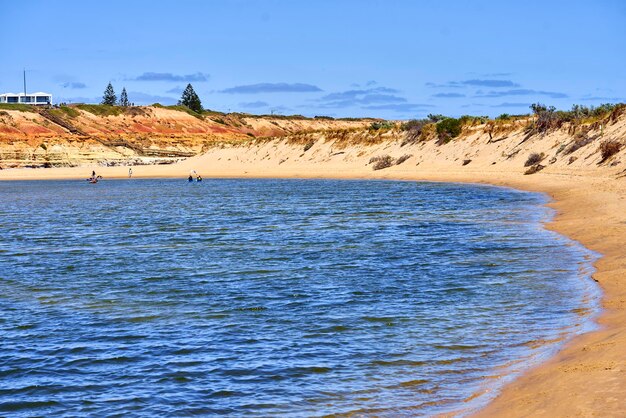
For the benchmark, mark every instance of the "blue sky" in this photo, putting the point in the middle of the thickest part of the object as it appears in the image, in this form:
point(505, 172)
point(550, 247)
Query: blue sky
point(391, 59)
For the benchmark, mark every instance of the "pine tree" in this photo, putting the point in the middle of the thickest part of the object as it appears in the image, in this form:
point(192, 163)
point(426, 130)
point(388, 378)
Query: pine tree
point(109, 97)
point(191, 99)
point(124, 98)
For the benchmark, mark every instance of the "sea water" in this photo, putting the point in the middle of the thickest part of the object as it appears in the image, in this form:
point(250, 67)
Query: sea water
point(276, 297)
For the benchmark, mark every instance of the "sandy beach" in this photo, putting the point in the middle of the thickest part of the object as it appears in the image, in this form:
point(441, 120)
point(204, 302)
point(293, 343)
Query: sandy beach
point(587, 377)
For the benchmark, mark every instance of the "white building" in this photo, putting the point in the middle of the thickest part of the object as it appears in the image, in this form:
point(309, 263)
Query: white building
point(39, 98)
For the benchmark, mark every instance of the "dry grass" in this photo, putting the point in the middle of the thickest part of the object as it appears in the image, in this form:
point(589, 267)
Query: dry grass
point(308, 145)
point(535, 168)
point(580, 141)
point(381, 161)
point(608, 149)
point(403, 158)
point(533, 159)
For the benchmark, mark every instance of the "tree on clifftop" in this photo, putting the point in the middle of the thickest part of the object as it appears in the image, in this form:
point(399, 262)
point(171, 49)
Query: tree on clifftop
point(191, 100)
point(124, 98)
point(109, 97)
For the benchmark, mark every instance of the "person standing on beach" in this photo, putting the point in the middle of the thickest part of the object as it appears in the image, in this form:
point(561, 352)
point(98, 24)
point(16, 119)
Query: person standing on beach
point(130, 172)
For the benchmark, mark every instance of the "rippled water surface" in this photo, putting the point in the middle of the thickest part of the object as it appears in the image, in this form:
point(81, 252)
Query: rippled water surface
point(273, 297)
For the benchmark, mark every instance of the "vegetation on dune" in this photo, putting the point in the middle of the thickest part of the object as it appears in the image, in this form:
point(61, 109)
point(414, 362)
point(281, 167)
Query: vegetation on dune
point(414, 130)
point(402, 159)
point(16, 106)
point(608, 149)
point(381, 125)
point(270, 116)
point(385, 161)
point(547, 118)
point(580, 119)
point(353, 119)
point(69, 111)
point(101, 109)
point(191, 100)
point(533, 159)
point(535, 168)
point(65, 111)
point(580, 140)
point(109, 97)
point(447, 129)
point(179, 108)
point(435, 118)
point(468, 120)
point(308, 145)
point(124, 98)
point(209, 112)
point(381, 161)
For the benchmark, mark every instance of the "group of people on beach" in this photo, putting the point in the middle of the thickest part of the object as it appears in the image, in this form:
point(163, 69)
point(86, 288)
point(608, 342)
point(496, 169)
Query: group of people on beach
point(94, 178)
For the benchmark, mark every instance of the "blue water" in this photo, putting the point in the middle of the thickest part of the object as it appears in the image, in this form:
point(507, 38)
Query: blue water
point(275, 297)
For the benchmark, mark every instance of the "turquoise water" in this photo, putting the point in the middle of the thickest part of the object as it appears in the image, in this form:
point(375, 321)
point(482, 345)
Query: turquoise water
point(275, 297)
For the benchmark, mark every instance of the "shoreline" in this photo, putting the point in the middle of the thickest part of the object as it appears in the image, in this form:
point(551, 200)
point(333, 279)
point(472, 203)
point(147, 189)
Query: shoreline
point(586, 375)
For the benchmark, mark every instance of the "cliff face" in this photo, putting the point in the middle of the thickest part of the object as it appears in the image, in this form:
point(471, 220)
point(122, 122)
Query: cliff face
point(72, 136)
point(241, 144)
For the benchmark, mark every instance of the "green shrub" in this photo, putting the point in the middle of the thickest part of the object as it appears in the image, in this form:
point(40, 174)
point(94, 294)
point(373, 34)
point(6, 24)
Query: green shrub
point(448, 128)
point(546, 118)
point(473, 120)
point(381, 125)
point(436, 118)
